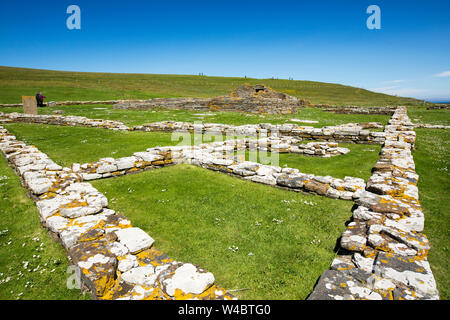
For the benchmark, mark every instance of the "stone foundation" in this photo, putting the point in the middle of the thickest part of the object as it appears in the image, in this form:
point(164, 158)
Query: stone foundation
point(348, 133)
point(250, 99)
point(166, 103)
point(219, 156)
point(383, 252)
point(113, 259)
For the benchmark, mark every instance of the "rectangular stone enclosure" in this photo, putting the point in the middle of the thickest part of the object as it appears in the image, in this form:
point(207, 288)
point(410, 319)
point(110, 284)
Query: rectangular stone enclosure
point(29, 105)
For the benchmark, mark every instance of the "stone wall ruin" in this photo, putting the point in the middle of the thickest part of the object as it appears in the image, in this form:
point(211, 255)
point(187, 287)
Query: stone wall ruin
point(382, 253)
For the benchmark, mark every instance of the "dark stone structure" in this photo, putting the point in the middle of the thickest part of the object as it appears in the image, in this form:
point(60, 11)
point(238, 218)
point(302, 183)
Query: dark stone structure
point(250, 99)
point(257, 99)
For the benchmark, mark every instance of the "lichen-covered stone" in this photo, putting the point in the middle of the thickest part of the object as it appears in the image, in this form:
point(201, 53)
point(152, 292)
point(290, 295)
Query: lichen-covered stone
point(135, 239)
point(185, 277)
point(413, 273)
point(354, 238)
point(344, 285)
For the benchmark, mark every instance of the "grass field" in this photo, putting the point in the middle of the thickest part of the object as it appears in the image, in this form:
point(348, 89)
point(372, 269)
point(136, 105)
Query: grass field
point(422, 115)
point(432, 159)
point(61, 86)
point(32, 265)
point(285, 239)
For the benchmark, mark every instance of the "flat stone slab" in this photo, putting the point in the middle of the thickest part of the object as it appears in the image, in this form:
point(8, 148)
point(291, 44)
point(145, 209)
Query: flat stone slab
point(414, 274)
point(97, 265)
point(354, 238)
point(344, 285)
point(135, 239)
point(185, 277)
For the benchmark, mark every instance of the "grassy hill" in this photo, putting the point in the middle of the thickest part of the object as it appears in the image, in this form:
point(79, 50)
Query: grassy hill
point(62, 85)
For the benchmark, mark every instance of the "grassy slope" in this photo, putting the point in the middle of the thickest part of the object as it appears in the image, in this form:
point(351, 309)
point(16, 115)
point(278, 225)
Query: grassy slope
point(195, 215)
point(58, 86)
point(19, 225)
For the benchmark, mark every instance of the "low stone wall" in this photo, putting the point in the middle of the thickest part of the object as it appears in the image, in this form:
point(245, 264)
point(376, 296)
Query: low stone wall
point(439, 107)
point(348, 133)
point(219, 156)
point(383, 252)
point(166, 103)
point(288, 178)
point(114, 259)
point(152, 158)
point(162, 156)
point(62, 120)
point(250, 99)
point(359, 110)
point(257, 105)
point(430, 126)
point(69, 103)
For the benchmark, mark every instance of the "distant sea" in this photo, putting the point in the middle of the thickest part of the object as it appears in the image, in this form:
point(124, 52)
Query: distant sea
point(443, 102)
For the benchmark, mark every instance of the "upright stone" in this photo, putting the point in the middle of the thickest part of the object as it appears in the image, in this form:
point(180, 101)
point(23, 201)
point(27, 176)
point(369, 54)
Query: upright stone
point(29, 105)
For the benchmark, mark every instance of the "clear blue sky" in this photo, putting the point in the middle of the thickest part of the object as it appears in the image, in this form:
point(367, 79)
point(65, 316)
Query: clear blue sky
point(306, 40)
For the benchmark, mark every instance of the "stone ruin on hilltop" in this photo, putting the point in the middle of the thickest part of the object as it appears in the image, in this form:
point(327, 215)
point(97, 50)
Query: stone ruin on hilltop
point(246, 98)
point(257, 99)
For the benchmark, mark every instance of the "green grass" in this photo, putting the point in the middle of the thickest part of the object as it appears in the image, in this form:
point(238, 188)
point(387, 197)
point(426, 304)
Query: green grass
point(196, 215)
point(61, 86)
point(22, 238)
point(422, 115)
point(432, 159)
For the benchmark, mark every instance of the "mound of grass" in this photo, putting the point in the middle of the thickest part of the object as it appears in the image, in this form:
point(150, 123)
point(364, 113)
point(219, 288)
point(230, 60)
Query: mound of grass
point(250, 236)
point(32, 265)
point(62, 85)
